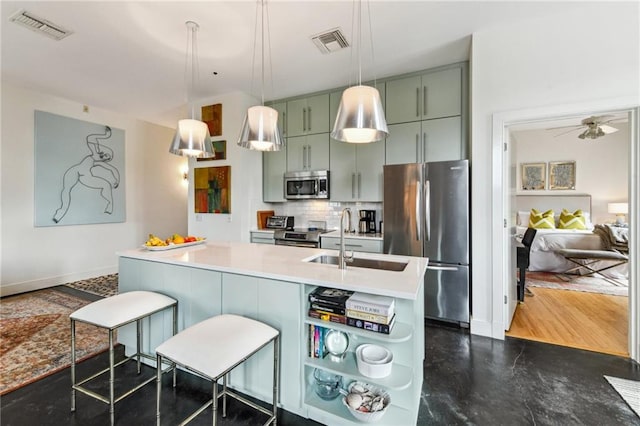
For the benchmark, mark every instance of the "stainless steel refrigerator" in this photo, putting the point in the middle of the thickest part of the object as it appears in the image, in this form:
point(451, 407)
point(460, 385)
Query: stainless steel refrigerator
point(426, 213)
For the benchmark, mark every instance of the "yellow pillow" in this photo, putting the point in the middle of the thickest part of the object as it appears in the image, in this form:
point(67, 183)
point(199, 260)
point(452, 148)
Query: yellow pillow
point(575, 220)
point(543, 220)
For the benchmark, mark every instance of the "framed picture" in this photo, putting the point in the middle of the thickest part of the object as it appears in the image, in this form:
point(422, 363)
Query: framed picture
point(212, 189)
point(533, 176)
point(562, 175)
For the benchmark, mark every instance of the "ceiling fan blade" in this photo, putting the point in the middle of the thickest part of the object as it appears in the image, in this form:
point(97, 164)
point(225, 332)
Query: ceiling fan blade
point(608, 129)
point(564, 133)
point(565, 127)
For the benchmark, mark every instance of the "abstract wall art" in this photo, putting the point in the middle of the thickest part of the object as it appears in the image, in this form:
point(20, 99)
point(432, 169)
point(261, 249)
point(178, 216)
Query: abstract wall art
point(212, 186)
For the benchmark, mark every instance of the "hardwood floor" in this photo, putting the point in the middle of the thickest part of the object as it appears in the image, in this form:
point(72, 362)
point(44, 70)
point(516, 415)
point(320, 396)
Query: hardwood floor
point(590, 321)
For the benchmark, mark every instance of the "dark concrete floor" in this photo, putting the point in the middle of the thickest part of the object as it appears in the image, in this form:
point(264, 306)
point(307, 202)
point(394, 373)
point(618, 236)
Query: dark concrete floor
point(469, 380)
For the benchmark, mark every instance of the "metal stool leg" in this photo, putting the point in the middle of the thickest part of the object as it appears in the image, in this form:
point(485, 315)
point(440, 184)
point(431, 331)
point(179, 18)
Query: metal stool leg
point(158, 386)
point(138, 342)
point(175, 331)
point(224, 395)
point(215, 402)
point(111, 377)
point(276, 376)
point(73, 365)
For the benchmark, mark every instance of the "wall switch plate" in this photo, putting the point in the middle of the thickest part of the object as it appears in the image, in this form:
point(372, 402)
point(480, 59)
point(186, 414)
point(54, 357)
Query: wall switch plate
point(229, 219)
point(198, 218)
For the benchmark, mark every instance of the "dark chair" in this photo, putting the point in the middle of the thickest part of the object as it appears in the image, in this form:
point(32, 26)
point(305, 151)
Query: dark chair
point(523, 259)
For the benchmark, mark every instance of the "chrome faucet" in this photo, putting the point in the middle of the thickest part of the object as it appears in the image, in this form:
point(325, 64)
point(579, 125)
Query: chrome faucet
point(343, 258)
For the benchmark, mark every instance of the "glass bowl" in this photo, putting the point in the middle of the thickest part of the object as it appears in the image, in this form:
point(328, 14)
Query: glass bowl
point(326, 385)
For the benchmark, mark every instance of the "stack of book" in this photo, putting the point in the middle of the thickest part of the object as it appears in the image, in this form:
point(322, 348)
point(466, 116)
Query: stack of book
point(371, 312)
point(329, 304)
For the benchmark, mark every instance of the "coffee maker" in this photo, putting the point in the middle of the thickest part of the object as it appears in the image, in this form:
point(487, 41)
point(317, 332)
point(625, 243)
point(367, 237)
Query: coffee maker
point(367, 224)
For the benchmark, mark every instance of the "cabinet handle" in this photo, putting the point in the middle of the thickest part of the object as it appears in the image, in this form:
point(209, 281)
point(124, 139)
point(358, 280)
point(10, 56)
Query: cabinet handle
point(417, 148)
point(304, 157)
point(353, 185)
point(284, 123)
point(304, 119)
point(359, 185)
point(417, 102)
point(424, 100)
point(424, 147)
point(347, 245)
point(309, 156)
point(309, 118)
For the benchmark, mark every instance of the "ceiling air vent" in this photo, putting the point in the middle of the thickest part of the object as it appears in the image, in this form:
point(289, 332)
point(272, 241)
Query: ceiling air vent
point(39, 25)
point(330, 41)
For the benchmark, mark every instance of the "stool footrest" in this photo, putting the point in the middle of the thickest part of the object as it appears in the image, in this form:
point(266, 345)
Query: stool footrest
point(250, 404)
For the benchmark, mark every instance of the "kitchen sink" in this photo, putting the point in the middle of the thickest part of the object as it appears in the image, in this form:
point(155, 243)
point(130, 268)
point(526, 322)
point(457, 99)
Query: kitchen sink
point(359, 262)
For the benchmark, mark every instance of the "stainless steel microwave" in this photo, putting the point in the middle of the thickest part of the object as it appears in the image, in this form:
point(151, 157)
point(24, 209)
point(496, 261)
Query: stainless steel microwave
point(306, 185)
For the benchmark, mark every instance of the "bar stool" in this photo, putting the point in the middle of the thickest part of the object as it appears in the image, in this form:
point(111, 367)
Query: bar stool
point(112, 313)
point(214, 347)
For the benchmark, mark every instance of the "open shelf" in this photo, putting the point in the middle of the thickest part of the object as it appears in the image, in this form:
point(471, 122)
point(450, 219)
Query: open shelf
point(401, 332)
point(335, 413)
point(400, 378)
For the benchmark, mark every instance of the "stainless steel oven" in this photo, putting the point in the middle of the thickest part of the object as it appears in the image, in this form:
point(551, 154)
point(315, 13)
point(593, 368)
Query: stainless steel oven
point(306, 185)
point(297, 238)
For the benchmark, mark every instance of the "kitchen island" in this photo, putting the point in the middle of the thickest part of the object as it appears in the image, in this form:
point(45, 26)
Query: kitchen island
point(271, 284)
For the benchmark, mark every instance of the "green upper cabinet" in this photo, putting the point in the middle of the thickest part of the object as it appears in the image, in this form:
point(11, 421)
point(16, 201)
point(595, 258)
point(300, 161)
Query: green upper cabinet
point(356, 171)
point(431, 95)
point(274, 165)
point(308, 116)
point(309, 152)
point(423, 141)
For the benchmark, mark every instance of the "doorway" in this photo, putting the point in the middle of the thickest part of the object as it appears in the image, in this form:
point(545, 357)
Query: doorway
point(578, 311)
point(504, 284)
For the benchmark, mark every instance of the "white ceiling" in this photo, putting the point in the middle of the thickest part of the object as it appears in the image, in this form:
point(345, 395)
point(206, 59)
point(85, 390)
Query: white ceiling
point(129, 57)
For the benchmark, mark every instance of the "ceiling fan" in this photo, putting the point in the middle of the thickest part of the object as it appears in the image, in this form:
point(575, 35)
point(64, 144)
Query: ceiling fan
point(594, 127)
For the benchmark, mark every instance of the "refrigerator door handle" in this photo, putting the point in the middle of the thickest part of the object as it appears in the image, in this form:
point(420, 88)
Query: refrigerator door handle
point(418, 216)
point(427, 209)
point(442, 268)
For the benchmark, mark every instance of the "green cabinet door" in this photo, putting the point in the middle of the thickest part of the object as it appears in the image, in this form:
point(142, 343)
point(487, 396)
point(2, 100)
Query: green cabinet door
point(434, 94)
point(342, 159)
point(318, 114)
point(442, 139)
point(404, 143)
point(369, 165)
point(308, 115)
point(274, 165)
point(309, 152)
point(403, 100)
point(442, 93)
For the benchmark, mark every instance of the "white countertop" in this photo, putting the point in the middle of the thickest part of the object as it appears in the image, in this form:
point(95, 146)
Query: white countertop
point(287, 264)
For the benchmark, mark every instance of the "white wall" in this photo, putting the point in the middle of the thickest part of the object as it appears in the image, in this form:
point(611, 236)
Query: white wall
point(246, 177)
point(38, 257)
point(602, 165)
point(531, 64)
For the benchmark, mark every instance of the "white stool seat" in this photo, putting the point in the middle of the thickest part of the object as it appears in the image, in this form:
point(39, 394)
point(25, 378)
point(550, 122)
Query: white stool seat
point(115, 311)
point(213, 346)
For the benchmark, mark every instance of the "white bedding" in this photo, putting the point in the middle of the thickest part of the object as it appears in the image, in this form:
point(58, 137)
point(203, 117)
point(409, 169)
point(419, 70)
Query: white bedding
point(543, 257)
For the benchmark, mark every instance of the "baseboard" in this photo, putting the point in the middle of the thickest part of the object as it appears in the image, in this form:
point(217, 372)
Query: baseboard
point(24, 286)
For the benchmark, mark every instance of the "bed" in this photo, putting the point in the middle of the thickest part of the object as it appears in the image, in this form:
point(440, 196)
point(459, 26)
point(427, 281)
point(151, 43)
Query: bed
point(543, 255)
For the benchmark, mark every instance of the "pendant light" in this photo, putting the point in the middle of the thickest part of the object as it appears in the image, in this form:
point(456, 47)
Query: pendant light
point(192, 137)
point(260, 127)
point(360, 116)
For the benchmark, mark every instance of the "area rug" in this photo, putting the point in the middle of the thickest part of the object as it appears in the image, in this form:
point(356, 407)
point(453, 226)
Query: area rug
point(35, 336)
point(586, 284)
point(105, 286)
point(629, 390)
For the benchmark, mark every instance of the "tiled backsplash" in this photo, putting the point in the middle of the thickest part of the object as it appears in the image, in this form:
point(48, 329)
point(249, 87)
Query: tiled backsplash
point(327, 211)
